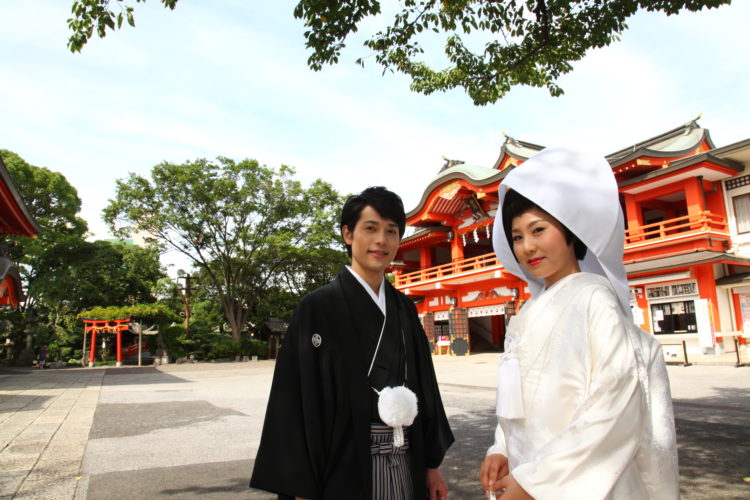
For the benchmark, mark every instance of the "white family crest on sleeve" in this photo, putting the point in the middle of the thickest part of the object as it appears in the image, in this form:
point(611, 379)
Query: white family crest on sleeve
point(316, 340)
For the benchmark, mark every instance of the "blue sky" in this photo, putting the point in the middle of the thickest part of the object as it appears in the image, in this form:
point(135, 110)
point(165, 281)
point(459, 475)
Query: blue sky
point(229, 77)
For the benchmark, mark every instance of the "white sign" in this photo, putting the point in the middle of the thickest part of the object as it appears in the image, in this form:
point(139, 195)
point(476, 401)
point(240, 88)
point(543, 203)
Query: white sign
point(703, 320)
point(638, 317)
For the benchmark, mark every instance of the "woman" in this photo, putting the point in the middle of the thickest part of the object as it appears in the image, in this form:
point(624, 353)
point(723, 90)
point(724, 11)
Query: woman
point(584, 409)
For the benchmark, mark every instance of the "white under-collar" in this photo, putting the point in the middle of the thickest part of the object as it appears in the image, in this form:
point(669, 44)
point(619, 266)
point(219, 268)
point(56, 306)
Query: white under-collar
point(379, 299)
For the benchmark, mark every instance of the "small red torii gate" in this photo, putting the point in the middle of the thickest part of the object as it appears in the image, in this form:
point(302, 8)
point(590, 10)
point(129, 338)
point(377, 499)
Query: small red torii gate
point(95, 326)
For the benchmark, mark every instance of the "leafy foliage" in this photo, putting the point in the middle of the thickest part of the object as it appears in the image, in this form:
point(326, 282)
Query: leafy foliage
point(249, 229)
point(526, 42)
point(90, 15)
point(63, 273)
point(157, 312)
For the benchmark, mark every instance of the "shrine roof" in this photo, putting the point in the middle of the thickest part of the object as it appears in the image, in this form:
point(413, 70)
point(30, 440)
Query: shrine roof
point(14, 216)
point(738, 151)
point(727, 168)
point(477, 176)
point(419, 232)
point(517, 149)
point(679, 141)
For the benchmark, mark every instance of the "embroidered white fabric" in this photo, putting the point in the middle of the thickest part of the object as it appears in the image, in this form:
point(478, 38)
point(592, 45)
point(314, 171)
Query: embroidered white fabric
point(598, 420)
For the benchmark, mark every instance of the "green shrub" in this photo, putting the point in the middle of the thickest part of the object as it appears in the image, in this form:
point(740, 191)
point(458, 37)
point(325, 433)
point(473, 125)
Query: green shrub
point(254, 347)
point(222, 346)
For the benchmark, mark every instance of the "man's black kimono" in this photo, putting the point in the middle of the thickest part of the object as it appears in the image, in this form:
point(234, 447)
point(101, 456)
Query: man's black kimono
point(316, 436)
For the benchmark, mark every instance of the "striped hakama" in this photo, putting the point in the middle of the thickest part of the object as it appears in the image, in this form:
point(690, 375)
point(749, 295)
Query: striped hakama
point(391, 474)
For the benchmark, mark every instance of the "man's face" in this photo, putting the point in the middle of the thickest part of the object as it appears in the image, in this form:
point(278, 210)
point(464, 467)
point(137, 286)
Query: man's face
point(374, 242)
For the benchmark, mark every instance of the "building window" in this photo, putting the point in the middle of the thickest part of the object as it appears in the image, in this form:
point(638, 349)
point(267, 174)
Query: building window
point(738, 182)
point(676, 290)
point(674, 317)
point(655, 292)
point(685, 288)
point(742, 212)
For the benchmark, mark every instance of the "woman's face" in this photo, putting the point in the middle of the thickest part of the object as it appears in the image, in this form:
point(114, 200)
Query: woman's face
point(539, 245)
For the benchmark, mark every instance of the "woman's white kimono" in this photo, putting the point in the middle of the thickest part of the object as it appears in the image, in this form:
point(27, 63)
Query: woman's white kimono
point(592, 418)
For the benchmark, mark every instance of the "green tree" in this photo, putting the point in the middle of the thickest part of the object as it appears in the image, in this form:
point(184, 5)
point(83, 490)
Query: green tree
point(245, 226)
point(54, 204)
point(82, 274)
point(63, 273)
point(526, 42)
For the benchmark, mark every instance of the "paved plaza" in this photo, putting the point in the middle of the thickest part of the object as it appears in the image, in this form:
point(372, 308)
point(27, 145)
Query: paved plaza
point(189, 431)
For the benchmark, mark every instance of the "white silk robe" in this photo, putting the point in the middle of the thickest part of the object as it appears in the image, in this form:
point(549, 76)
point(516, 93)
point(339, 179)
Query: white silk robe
point(596, 411)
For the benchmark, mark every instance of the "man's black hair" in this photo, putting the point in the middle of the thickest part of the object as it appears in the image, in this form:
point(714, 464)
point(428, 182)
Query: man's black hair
point(515, 205)
point(386, 203)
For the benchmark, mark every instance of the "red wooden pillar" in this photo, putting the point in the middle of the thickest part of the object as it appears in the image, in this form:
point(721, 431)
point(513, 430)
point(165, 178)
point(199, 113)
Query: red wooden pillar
point(704, 275)
point(92, 354)
point(694, 198)
point(425, 257)
point(634, 217)
point(457, 248)
point(119, 347)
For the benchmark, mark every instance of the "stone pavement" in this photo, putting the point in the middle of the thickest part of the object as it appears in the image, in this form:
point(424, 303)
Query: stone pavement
point(45, 419)
point(188, 431)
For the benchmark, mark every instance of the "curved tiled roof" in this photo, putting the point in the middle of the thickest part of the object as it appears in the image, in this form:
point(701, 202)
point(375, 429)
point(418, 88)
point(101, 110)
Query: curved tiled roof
point(478, 176)
point(679, 141)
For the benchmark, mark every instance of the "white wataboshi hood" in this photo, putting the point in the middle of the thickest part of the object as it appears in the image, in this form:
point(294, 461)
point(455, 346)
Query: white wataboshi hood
point(580, 191)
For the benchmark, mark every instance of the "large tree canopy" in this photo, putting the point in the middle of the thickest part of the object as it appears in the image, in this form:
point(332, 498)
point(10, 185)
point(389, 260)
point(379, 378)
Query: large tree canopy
point(63, 273)
point(54, 204)
point(248, 228)
point(521, 42)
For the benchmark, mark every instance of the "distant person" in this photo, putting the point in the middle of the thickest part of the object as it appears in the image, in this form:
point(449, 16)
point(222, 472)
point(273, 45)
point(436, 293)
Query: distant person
point(41, 357)
point(328, 434)
point(584, 407)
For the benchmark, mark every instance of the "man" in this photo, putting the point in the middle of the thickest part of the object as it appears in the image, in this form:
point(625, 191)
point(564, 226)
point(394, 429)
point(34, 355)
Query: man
point(323, 437)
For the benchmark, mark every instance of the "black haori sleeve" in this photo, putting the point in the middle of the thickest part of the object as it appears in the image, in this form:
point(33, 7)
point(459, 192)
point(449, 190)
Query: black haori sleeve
point(437, 433)
point(284, 464)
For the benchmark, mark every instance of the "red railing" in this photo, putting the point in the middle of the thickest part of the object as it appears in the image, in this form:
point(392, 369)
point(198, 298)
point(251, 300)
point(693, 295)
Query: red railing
point(450, 269)
point(705, 221)
point(650, 233)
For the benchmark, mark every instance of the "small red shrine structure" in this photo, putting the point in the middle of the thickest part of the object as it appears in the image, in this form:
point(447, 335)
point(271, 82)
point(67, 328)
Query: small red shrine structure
point(686, 204)
point(15, 219)
point(101, 327)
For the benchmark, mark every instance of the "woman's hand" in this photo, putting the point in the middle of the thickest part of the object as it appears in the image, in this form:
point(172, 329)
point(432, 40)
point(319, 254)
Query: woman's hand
point(511, 489)
point(493, 468)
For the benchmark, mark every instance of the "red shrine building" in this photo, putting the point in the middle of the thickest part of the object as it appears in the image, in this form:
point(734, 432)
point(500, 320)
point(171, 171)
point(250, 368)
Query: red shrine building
point(15, 219)
point(686, 204)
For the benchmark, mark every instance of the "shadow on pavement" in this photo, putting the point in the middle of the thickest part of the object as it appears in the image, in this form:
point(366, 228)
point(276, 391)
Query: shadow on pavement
point(19, 402)
point(140, 375)
point(133, 419)
point(216, 480)
point(713, 459)
point(474, 433)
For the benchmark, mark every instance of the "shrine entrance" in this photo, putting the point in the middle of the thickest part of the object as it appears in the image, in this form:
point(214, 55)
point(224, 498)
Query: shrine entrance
point(102, 327)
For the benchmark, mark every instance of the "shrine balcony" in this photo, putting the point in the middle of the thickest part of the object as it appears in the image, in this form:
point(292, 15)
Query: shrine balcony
point(705, 231)
point(460, 268)
point(690, 233)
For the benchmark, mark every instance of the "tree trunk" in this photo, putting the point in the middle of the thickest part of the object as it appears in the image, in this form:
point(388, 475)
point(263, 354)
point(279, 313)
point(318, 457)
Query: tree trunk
point(234, 317)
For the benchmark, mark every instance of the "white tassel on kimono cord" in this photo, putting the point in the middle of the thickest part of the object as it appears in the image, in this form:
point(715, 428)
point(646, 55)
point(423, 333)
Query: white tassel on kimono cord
point(509, 392)
point(397, 407)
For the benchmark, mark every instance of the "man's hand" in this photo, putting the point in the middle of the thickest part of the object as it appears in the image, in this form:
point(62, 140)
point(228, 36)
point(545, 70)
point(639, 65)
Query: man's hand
point(437, 489)
point(512, 490)
point(493, 469)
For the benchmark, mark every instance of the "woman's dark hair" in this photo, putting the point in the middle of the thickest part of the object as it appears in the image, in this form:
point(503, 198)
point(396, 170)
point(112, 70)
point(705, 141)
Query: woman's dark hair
point(515, 205)
point(386, 203)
